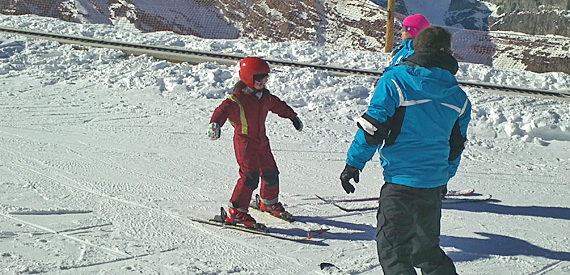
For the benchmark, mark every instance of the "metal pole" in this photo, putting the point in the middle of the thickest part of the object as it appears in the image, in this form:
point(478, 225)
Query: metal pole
point(390, 26)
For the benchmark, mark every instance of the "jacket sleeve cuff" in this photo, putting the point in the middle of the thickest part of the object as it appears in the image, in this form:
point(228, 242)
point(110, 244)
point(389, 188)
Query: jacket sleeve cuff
point(359, 166)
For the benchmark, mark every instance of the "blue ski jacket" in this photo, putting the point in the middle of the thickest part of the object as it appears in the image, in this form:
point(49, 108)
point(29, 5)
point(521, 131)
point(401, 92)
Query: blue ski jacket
point(400, 53)
point(417, 120)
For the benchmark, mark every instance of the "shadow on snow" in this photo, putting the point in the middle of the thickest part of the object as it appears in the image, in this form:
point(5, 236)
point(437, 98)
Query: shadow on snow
point(493, 244)
point(561, 213)
point(357, 232)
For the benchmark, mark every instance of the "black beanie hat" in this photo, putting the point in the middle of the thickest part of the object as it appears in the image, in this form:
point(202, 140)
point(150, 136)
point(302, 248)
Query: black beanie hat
point(432, 38)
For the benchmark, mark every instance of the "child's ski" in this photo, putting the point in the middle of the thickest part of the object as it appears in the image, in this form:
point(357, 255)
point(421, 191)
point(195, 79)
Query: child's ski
point(314, 231)
point(281, 218)
point(285, 216)
point(260, 230)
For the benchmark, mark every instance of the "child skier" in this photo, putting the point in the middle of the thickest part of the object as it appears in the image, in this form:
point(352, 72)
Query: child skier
point(247, 110)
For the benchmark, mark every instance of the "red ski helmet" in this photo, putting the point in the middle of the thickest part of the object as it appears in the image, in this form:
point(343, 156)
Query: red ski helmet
point(250, 67)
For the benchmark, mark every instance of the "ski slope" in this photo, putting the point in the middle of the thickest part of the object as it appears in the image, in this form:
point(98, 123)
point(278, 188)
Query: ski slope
point(105, 161)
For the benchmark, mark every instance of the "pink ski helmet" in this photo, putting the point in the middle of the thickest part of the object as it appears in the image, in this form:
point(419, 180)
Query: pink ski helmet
point(415, 23)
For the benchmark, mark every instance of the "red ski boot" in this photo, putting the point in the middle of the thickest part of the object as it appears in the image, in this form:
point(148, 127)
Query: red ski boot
point(274, 209)
point(277, 210)
point(234, 216)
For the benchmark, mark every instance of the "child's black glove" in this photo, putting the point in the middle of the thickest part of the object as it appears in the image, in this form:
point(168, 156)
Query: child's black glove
point(348, 173)
point(297, 123)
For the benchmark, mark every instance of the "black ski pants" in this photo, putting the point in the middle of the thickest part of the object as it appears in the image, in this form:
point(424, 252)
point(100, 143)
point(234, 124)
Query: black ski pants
point(408, 231)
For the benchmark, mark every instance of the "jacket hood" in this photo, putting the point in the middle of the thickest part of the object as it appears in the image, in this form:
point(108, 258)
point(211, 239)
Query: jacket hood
point(433, 58)
point(429, 73)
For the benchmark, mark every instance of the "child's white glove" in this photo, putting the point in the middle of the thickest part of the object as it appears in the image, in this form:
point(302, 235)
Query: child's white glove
point(214, 130)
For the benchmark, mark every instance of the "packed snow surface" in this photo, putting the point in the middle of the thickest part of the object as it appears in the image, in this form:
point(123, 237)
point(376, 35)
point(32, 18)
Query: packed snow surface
point(105, 161)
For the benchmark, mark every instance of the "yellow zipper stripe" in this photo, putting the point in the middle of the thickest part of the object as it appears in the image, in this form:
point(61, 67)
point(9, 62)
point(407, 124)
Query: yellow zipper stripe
point(241, 114)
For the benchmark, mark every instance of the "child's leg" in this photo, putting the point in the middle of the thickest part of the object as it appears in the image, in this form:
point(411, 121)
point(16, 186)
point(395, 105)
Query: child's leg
point(247, 182)
point(269, 191)
point(247, 159)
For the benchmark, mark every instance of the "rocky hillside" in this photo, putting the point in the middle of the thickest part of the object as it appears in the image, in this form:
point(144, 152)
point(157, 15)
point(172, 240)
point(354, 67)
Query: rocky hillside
point(532, 16)
point(536, 17)
point(357, 24)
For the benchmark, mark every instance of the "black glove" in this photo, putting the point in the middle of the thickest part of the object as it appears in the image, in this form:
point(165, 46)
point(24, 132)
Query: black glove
point(297, 123)
point(348, 173)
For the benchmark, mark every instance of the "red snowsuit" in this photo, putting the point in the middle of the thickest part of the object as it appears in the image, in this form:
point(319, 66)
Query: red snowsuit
point(247, 113)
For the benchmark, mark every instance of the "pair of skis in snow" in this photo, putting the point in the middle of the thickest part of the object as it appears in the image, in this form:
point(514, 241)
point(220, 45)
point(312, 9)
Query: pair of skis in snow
point(453, 196)
point(262, 229)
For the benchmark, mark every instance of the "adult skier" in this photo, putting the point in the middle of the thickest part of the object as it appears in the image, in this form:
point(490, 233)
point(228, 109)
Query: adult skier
point(417, 120)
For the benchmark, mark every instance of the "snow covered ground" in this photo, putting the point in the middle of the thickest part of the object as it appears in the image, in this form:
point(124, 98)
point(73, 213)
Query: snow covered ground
point(105, 159)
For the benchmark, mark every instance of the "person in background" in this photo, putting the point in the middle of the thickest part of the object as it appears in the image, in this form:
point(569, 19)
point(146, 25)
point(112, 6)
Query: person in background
point(247, 110)
point(411, 26)
point(417, 120)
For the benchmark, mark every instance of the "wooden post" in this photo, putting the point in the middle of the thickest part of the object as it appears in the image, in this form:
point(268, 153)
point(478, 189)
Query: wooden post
point(390, 26)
